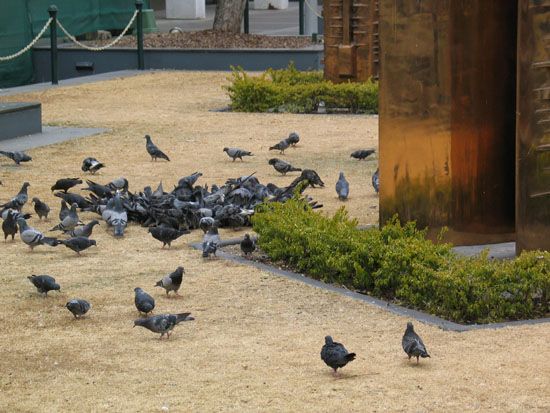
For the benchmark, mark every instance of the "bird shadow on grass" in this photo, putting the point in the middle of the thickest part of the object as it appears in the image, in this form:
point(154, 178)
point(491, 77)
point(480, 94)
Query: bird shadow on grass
point(412, 364)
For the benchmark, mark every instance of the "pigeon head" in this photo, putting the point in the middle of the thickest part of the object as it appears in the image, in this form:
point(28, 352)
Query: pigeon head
point(93, 222)
point(26, 184)
point(35, 200)
point(273, 161)
point(341, 174)
point(22, 223)
point(93, 242)
point(246, 236)
point(148, 138)
point(74, 207)
point(138, 290)
point(225, 149)
point(410, 326)
point(56, 287)
point(158, 284)
point(180, 270)
point(140, 322)
point(328, 340)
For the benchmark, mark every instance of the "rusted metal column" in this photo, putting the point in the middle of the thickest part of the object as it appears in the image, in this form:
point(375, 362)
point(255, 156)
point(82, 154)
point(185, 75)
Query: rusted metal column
point(533, 126)
point(447, 133)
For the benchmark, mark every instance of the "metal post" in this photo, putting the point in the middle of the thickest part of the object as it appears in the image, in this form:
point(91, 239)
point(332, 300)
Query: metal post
point(246, 18)
point(139, 7)
point(52, 10)
point(301, 15)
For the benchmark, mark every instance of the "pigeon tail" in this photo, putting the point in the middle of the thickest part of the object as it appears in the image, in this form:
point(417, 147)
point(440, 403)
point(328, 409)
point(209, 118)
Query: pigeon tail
point(350, 356)
point(52, 242)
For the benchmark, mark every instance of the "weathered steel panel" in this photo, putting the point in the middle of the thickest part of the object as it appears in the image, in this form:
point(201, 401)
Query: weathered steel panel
point(533, 126)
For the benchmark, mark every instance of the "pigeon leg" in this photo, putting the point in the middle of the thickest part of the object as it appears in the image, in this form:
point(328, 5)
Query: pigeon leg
point(416, 359)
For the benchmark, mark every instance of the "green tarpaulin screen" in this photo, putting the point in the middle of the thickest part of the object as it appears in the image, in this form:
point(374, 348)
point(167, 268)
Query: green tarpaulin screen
point(21, 20)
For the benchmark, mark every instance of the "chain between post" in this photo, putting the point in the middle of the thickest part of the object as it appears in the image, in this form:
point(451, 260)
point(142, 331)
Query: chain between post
point(31, 44)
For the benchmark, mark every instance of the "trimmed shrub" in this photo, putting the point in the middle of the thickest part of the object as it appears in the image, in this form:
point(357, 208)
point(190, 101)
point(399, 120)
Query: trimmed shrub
point(398, 263)
point(289, 90)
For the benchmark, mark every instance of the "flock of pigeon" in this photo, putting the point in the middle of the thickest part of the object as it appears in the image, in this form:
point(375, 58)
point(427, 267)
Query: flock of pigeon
point(168, 216)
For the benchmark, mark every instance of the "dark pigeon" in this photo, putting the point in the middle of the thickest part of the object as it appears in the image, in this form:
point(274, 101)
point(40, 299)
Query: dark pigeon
point(85, 230)
point(9, 225)
point(172, 281)
point(65, 184)
point(166, 234)
point(342, 187)
point(44, 283)
point(153, 150)
point(293, 138)
point(41, 208)
point(310, 176)
point(412, 344)
point(335, 354)
point(91, 165)
point(281, 146)
point(282, 166)
point(236, 153)
point(144, 302)
point(376, 180)
point(362, 153)
point(71, 198)
point(102, 191)
point(78, 307)
point(78, 244)
point(64, 211)
point(163, 323)
point(17, 157)
point(247, 245)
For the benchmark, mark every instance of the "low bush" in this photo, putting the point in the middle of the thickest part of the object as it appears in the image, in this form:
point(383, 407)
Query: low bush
point(289, 90)
point(398, 263)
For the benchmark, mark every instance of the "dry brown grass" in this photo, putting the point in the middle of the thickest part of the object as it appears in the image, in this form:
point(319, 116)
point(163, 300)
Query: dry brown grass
point(256, 339)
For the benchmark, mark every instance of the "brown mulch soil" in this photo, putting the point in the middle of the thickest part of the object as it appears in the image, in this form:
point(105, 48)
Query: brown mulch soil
point(208, 39)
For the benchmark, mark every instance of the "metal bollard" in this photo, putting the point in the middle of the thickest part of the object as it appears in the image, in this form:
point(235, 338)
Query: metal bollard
point(52, 10)
point(301, 16)
point(139, 7)
point(246, 18)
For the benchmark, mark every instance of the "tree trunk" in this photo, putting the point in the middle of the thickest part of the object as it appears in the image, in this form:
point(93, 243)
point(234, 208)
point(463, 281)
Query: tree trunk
point(229, 15)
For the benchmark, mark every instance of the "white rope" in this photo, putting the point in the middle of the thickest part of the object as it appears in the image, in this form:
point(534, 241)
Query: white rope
point(314, 10)
point(98, 49)
point(31, 44)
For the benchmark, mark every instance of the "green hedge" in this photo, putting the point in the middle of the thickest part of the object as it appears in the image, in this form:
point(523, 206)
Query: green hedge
point(289, 90)
point(398, 263)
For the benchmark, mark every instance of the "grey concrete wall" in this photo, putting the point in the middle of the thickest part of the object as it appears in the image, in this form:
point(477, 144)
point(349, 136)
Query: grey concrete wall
point(183, 59)
point(20, 119)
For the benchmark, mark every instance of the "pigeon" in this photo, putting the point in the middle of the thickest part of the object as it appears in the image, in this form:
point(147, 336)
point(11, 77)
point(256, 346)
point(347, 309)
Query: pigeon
point(85, 230)
point(119, 184)
point(282, 166)
point(115, 215)
point(33, 237)
point(163, 323)
point(41, 209)
point(412, 344)
point(247, 245)
point(237, 153)
point(69, 222)
point(9, 226)
point(206, 223)
point(189, 181)
point(91, 165)
point(78, 244)
point(19, 200)
point(64, 211)
point(281, 146)
point(144, 302)
point(153, 150)
point(17, 157)
point(362, 153)
point(376, 180)
point(209, 248)
point(44, 283)
point(172, 282)
point(310, 176)
point(78, 307)
point(293, 138)
point(71, 198)
point(335, 355)
point(166, 234)
point(342, 187)
point(102, 191)
point(65, 184)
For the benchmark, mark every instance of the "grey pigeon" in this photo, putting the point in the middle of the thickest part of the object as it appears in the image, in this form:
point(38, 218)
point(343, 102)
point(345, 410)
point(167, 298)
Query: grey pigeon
point(206, 223)
point(281, 146)
point(33, 237)
point(153, 150)
point(17, 214)
point(335, 354)
point(236, 153)
point(166, 234)
point(172, 281)
point(44, 283)
point(41, 208)
point(65, 184)
point(118, 184)
point(91, 165)
point(78, 244)
point(362, 153)
point(17, 157)
point(144, 302)
point(85, 230)
point(69, 222)
point(376, 180)
point(163, 323)
point(209, 248)
point(282, 166)
point(115, 215)
point(78, 307)
point(247, 245)
point(293, 138)
point(9, 225)
point(412, 344)
point(64, 211)
point(19, 200)
point(342, 187)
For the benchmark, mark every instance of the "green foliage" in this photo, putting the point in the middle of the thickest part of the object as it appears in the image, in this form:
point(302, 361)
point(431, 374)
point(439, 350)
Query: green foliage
point(289, 90)
point(399, 263)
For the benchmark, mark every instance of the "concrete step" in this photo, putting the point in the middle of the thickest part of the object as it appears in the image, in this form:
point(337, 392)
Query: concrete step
point(20, 119)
